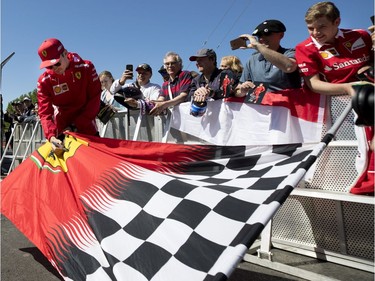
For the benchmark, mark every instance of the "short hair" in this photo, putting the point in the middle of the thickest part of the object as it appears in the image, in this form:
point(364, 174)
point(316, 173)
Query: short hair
point(108, 74)
point(322, 9)
point(175, 55)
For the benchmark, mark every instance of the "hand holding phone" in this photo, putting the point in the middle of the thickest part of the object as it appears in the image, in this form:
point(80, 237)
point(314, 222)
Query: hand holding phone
point(129, 67)
point(238, 43)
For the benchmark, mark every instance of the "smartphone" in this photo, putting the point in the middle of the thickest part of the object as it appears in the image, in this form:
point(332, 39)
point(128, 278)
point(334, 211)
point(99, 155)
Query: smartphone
point(238, 43)
point(372, 19)
point(129, 67)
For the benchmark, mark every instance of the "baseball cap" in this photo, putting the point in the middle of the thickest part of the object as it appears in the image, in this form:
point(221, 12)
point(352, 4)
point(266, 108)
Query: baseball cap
point(163, 71)
point(269, 26)
point(26, 98)
point(203, 53)
point(144, 66)
point(50, 51)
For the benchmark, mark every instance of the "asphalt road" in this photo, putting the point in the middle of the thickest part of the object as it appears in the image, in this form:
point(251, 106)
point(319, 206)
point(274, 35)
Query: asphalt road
point(22, 261)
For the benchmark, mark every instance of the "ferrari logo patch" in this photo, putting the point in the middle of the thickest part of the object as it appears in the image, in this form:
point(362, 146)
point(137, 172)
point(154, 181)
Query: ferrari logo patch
point(61, 88)
point(78, 75)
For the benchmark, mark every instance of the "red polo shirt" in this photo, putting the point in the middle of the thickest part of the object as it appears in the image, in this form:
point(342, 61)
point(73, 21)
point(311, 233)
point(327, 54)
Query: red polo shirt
point(338, 62)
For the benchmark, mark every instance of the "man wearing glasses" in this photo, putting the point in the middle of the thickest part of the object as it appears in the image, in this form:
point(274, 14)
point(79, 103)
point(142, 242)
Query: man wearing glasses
point(175, 90)
point(68, 93)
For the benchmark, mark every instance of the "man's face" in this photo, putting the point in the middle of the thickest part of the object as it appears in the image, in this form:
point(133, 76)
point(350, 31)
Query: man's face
point(172, 66)
point(271, 40)
point(106, 82)
point(143, 76)
point(61, 66)
point(205, 64)
point(323, 30)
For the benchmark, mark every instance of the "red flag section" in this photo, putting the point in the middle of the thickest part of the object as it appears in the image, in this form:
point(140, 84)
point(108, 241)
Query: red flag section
point(288, 116)
point(302, 103)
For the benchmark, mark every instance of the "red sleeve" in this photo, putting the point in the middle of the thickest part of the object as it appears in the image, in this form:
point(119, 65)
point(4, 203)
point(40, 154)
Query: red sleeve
point(307, 58)
point(46, 110)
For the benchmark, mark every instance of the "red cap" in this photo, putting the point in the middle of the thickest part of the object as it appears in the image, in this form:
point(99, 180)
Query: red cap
point(50, 52)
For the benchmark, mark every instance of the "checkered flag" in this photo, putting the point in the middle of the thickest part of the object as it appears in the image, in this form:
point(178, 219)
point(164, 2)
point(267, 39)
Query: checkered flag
point(188, 220)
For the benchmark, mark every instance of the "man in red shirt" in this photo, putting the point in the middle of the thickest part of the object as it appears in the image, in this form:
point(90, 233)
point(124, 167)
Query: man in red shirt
point(329, 61)
point(68, 93)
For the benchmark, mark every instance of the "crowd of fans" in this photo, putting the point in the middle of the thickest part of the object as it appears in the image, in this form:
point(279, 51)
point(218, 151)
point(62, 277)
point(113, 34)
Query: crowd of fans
point(324, 63)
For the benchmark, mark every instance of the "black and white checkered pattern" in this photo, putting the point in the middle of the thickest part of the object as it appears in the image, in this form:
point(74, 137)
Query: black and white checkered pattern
point(193, 225)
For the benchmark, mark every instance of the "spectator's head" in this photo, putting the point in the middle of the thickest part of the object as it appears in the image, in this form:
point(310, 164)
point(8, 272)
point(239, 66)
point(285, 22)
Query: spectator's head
point(53, 55)
point(206, 61)
point(106, 79)
point(19, 107)
point(323, 20)
point(172, 63)
point(144, 73)
point(320, 10)
point(270, 33)
point(27, 101)
point(163, 72)
point(231, 62)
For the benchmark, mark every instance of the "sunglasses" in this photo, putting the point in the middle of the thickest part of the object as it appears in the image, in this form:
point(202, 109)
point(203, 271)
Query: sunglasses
point(55, 65)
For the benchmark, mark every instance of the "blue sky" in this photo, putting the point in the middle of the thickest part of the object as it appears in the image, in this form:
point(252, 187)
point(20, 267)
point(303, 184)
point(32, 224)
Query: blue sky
point(114, 33)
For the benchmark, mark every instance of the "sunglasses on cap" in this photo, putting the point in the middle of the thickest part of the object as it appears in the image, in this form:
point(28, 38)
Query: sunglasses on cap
point(56, 64)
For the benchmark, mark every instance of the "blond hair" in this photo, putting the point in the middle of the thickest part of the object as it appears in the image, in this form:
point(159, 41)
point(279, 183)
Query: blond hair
point(322, 9)
point(233, 62)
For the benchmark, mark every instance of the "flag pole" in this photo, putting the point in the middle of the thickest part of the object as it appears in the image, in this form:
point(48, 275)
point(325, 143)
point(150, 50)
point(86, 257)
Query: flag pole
point(317, 151)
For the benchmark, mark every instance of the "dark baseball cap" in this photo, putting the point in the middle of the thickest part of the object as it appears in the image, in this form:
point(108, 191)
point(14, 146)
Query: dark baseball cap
point(269, 26)
point(144, 66)
point(203, 53)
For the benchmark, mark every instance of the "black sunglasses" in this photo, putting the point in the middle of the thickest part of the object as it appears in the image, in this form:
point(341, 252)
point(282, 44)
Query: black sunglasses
point(56, 65)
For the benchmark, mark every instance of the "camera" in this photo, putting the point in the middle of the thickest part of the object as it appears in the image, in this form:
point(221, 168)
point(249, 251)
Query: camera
point(363, 104)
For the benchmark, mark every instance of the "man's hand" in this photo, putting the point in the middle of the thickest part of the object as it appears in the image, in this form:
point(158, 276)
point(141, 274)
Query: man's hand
point(132, 102)
point(57, 146)
point(253, 42)
point(245, 88)
point(126, 75)
point(159, 108)
point(201, 94)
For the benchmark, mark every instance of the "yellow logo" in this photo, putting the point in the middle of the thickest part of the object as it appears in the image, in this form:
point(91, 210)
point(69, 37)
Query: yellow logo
point(78, 75)
point(44, 53)
point(61, 88)
point(55, 162)
point(57, 90)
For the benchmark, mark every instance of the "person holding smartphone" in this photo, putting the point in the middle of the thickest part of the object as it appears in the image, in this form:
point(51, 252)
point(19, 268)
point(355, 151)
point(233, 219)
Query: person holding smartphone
point(150, 91)
point(270, 63)
point(68, 93)
point(329, 61)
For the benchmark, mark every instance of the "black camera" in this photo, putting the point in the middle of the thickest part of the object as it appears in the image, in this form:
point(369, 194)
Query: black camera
point(363, 104)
